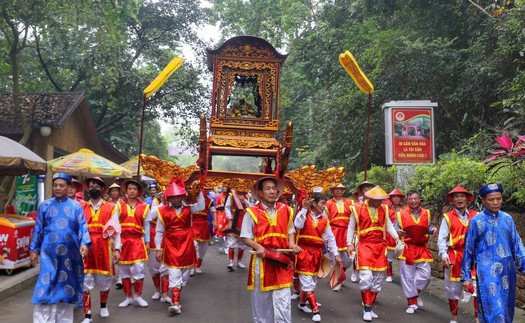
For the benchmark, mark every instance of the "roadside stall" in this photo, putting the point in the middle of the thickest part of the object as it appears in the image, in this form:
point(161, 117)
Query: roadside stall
point(16, 230)
point(15, 238)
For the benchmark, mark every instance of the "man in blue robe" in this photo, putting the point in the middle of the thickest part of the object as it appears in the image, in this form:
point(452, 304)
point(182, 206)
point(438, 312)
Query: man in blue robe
point(61, 239)
point(495, 248)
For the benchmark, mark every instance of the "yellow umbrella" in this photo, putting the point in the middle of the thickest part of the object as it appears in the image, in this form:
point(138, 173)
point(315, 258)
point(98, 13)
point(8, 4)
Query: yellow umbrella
point(132, 166)
point(86, 163)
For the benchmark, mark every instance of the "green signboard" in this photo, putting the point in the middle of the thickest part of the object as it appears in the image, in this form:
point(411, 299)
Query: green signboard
point(26, 196)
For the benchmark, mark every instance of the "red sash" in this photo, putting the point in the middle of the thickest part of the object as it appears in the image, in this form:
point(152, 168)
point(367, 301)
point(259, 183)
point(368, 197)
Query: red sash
point(339, 219)
point(270, 233)
point(458, 230)
point(98, 260)
point(132, 223)
point(415, 247)
point(179, 251)
point(371, 248)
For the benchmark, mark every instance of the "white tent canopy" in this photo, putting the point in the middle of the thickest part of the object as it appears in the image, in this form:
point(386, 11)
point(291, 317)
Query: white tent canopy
point(16, 159)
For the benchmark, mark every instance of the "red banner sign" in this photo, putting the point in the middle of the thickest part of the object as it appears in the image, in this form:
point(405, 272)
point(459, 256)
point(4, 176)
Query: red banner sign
point(412, 132)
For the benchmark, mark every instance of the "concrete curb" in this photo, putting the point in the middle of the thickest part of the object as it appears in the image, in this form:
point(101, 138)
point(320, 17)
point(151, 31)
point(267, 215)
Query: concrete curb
point(20, 281)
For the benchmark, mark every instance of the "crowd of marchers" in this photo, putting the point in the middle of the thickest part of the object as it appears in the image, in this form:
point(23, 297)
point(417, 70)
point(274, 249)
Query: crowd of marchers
point(115, 233)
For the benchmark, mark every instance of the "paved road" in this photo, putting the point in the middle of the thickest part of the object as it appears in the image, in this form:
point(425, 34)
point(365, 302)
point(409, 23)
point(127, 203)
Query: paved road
point(219, 296)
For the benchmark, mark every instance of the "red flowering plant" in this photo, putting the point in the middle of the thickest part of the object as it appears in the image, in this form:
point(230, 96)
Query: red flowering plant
point(510, 153)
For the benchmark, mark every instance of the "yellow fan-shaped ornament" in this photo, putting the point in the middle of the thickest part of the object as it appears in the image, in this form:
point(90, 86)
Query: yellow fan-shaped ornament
point(349, 63)
point(163, 76)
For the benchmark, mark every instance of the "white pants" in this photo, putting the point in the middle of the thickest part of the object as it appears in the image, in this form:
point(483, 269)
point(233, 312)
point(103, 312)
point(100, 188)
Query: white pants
point(270, 307)
point(372, 280)
point(391, 255)
point(234, 242)
point(345, 260)
point(178, 277)
point(153, 264)
point(54, 313)
point(200, 248)
point(135, 271)
point(103, 282)
point(414, 277)
point(308, 283)
point(453, 290)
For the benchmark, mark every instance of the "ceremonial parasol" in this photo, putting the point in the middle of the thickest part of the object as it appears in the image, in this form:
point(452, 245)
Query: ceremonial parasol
point(86, 163)
point(133, 165)
point(16, 159)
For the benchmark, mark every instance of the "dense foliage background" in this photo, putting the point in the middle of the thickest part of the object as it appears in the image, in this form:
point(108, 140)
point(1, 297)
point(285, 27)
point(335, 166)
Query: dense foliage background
point(469, 56)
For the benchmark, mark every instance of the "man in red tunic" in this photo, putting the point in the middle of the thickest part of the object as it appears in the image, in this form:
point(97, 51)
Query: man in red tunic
point(114, 197)
point(269, 225)
point(135, 235)
point(313, 232)
point(221, 220)
point(413, 226)
point(338, 209)
point(174, 239)
point(370, 220)
point(451, 242)
point(233, 241)
point(154, 202)
point(201, 231)
point(395, 203)
point(104, 230)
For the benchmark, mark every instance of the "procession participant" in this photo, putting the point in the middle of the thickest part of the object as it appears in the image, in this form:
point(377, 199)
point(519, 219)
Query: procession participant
point(338, 209)
point(360, 190)
point(104, 230)
point(494, 247)
point(174, 238)
point(79, 197)
point(114, 197)
point(114, 193)
point(201, 231)
point(269, 225)
point(61, 239)
point(233, 241)
point(395, 203)
point(153, 189)
point(451, 241)
point(313, 232)
point(153, 265)
point(135, 236)
point(413, 226)
point(74, 188)
point(370, 220)
point(221, 219)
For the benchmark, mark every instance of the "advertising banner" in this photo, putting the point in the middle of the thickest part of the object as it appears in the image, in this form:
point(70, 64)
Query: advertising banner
point(26, 196)
point(409, 132)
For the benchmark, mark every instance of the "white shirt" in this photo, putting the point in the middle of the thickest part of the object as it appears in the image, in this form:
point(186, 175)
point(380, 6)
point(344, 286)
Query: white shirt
point(328, 235)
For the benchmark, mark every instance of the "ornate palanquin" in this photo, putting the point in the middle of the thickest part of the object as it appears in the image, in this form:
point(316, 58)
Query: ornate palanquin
point(245, 106)
point(244, 122)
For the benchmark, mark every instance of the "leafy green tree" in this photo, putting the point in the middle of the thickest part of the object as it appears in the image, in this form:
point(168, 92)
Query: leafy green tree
point(111, 51)
point(434, 181)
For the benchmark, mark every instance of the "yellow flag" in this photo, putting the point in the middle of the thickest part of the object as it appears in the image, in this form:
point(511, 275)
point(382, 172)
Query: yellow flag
point(349, 63)
point(163, 76)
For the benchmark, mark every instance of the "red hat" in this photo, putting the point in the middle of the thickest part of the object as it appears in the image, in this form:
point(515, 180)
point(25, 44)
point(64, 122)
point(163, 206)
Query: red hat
point(176, 188)
point(459, 189)
point(396, 192)
point(77, 184)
